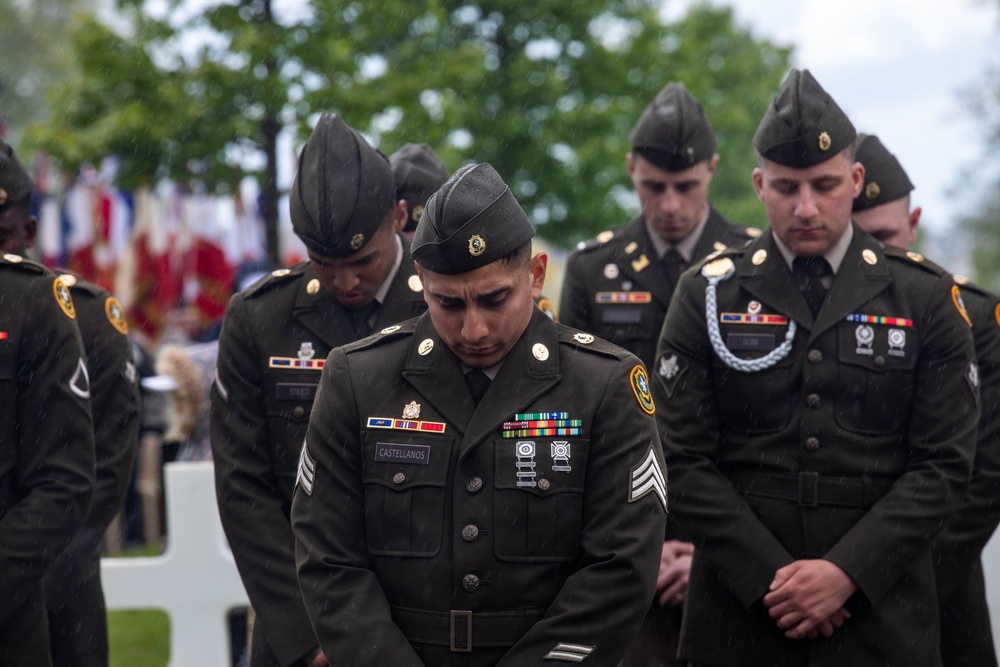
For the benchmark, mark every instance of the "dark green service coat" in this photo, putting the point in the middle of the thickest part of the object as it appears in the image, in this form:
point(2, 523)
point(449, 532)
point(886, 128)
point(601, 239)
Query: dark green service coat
point(46, 449)
point(73, 595)
point(855, 448)
point(258, 422)
point(966, 635)
point(400, 527)
point(624, 262)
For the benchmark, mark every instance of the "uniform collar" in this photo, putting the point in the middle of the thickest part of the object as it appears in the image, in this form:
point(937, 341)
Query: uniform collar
point(686, 246)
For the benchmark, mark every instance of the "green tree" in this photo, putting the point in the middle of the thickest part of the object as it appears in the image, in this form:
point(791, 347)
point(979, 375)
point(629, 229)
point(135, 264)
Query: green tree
point(33, 55)
point(545, 91)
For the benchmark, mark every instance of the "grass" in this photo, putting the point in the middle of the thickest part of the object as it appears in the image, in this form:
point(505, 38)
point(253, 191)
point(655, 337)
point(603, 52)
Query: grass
point(139, 638)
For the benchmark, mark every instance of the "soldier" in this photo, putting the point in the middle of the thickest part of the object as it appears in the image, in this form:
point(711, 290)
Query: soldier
point(508, 517)
point(418, 174)
point(823, 400)
point(47, 437)
point(275, 337)
point(74, 598)
point(619, 285)
point(883, 210)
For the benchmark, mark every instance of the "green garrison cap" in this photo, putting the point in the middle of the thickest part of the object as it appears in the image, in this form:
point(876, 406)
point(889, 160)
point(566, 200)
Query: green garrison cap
point(342, 192)
point(418, 174)
point(885, 180)
point(471, 221)
point(803, 126)
point(673, 132)
point(15, 184)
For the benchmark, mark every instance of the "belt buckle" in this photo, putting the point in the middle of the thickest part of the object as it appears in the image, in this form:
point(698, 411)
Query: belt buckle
point(808, 489)
point(467, 617)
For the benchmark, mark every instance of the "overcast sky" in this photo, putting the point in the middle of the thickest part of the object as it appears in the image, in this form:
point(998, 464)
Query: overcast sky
point(897, 67)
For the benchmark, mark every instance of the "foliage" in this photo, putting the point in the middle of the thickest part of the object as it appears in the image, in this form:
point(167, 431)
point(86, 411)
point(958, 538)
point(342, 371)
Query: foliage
point(545, 91)
point(32, 55)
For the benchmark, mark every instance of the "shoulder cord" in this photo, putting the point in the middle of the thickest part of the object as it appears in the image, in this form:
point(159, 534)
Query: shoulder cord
point(731, 360)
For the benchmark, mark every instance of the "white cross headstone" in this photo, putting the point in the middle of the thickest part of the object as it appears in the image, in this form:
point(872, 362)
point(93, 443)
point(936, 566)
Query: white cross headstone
point(194, 581)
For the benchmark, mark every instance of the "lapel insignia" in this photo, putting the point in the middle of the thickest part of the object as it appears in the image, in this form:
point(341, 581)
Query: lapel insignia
point(864, 335)
point(640, 387)
point(631, 248)
point(425, 347)
point(869, 256)
point(759, 257)
point(640, 264)
point(560, 451)
point(610, 271)
point(411, 410)
point(313, 286)
point(540, 352)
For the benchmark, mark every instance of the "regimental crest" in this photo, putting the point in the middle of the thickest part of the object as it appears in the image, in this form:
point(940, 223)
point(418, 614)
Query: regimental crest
point(477, 246)
point(411, 410)
point(357, 241)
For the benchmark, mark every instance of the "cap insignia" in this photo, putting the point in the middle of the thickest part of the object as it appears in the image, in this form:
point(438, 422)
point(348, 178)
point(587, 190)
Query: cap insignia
point(3, 196)
point(477, 246)
point(357, 241)
point(418, 212)
point(872, 190)
point(824, 141)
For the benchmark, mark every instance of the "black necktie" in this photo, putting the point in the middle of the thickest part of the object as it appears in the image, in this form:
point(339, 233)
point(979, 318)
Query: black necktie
point(809, 273)
point(478, 382)
point(361, 319)
point(673, 266)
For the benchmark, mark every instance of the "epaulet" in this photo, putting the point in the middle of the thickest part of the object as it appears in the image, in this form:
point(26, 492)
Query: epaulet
point(590, 343)
point(77, 284)
point(914, 258)
point(728, 251)
point(276, 277)
point(604, 237)
point(10, 260)
point(966, 284)
point(389, 334)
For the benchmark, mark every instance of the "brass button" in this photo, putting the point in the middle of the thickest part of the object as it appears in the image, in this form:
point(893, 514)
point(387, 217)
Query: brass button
point(470, 582)
point(470, 532)
point(815, 356)
point(813, 400)
point(398, 478)
point(299, 412)
point(544, 484)
point(474, 485)
point(879, 361)
point(812, 444)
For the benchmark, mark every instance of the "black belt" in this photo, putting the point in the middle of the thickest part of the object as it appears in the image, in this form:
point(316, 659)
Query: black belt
point(461, 630)
point(810, 489)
